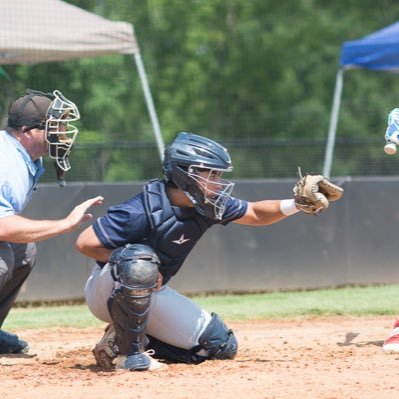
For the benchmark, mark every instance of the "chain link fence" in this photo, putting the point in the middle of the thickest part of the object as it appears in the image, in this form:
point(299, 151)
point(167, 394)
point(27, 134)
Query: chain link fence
point(252, 159)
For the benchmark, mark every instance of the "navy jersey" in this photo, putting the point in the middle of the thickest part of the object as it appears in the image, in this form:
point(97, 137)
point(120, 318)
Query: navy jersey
point(150, 218)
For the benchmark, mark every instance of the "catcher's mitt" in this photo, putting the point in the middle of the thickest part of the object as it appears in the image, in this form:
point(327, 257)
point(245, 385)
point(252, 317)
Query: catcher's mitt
point(106, 350)
point(313, 193)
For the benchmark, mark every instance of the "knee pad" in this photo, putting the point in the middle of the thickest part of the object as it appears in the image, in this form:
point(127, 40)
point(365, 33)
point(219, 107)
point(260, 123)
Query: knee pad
point(135, 266)
point(135, 270)
point(219, 341)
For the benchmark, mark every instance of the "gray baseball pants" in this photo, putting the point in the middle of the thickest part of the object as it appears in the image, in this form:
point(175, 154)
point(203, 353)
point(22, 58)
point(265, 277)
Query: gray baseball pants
point(16, 262)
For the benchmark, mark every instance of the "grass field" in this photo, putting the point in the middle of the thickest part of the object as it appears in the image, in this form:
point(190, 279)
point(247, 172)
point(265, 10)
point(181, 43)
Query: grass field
point(358, 301)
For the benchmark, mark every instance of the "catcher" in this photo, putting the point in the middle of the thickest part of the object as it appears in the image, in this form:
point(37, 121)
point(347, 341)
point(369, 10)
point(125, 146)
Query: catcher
point(141, 244)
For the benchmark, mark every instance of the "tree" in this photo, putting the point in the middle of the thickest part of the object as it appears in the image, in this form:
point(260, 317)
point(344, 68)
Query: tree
point(258, 71)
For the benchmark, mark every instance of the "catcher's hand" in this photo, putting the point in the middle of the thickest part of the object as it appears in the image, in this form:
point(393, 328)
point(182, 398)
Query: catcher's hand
point(313, 193)
point(105, 350)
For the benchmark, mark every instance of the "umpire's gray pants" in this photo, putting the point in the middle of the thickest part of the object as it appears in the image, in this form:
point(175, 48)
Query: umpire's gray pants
point(16, 262)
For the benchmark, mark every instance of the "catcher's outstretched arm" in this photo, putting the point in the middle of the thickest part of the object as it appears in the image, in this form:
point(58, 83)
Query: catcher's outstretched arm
point(263, 213)
point(312, 195)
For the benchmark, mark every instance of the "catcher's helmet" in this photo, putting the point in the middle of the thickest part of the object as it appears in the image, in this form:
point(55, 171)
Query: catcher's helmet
point(51, 112)
point(185, 163)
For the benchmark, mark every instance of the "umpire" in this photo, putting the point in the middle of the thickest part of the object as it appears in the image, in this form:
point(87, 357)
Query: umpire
point(38, 124)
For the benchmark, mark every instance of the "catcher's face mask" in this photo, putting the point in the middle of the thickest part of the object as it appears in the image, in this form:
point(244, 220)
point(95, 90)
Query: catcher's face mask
point(59, 132)
point(211, 190)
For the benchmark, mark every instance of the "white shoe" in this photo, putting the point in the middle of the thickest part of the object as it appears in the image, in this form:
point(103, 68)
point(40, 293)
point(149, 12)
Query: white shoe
point(138, 362)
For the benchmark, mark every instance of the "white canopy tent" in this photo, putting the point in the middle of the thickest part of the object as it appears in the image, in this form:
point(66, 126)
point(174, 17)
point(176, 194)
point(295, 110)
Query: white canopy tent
point(37, 31)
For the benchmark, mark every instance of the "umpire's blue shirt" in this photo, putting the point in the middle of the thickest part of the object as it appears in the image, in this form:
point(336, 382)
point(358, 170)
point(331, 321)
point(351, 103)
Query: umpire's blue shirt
point(18, 175)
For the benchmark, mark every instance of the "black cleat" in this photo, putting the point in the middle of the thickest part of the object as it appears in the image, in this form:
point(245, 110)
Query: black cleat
point(10, 343)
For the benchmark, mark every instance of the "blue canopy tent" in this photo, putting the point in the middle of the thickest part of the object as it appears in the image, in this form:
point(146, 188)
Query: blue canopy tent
point(378, 51)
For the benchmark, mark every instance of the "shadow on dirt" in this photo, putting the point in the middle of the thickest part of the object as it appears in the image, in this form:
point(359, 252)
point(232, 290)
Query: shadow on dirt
point(351, 336)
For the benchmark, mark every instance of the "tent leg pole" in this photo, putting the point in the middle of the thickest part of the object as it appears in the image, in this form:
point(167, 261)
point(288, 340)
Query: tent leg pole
point(150, 104)
point(333, 123)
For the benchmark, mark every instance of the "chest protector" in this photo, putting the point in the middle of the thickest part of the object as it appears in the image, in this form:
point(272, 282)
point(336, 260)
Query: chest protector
point(174, 230)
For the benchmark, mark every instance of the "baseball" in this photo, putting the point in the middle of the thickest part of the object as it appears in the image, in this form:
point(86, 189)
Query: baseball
point(390, 148)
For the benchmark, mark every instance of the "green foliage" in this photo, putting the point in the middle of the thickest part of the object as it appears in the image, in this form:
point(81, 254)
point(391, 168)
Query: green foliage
point(230, 69)
point(4, 74)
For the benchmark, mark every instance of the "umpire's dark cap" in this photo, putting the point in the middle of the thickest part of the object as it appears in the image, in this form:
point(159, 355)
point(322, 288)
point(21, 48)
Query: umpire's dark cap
point(30, 110)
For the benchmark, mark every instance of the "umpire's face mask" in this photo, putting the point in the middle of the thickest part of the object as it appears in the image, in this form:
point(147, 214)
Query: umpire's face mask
point(60, 133)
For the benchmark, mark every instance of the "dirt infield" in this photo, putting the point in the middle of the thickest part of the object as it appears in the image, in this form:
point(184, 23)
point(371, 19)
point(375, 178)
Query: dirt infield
point(318, 358)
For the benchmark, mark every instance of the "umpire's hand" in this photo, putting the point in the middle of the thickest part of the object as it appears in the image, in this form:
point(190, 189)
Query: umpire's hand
point(79, 215)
